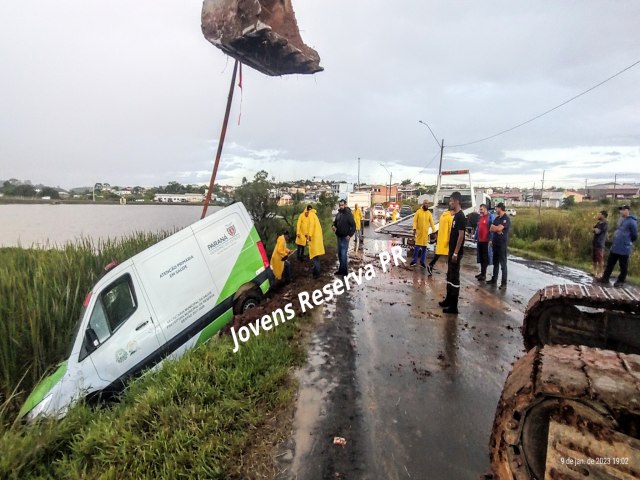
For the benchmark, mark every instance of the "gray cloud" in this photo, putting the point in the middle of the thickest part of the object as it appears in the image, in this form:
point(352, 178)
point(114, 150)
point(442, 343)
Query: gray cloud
point(90, 93)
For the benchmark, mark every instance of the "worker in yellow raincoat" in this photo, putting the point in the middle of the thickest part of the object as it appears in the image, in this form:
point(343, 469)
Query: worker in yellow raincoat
point(357, 217)
point(442, 243)
point(422, 220)
point(302, 232)
point(279, 262)
point(394, 214)
point(316, 243)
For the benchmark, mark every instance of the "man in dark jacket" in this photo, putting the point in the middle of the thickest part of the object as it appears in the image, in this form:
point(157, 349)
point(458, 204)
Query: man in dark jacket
point(500, 239)
point(456, 250)
point(344, 226)
point(626, 234)
point(599, 236)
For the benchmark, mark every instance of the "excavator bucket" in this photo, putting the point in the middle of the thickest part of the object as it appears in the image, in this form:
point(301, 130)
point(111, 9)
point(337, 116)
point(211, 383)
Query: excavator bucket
point(260, 33)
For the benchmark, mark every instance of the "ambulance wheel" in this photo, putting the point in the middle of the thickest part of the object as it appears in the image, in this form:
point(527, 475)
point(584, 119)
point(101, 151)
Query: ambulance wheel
point(245, 302)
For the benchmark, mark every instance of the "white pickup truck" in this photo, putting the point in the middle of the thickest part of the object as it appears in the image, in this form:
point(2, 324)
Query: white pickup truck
point(363, 200)
point(161, 302)
point(471, 201)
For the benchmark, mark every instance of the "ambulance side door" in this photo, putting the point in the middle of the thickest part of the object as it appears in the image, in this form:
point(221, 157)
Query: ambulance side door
point(121, 338)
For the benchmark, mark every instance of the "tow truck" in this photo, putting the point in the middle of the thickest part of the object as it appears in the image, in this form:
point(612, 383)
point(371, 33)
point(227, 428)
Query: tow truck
point(471, 200)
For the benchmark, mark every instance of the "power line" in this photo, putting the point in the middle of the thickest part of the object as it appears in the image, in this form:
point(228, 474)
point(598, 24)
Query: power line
point(429, 163)
point(432, 134)
point(548, 111)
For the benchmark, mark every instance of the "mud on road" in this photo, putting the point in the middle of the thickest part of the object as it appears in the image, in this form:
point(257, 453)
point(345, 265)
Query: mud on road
point(413, 391)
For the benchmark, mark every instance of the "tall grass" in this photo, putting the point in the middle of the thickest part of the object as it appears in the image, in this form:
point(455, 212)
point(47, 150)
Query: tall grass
point(195, 418)
point(565, 235)
point(41, 294)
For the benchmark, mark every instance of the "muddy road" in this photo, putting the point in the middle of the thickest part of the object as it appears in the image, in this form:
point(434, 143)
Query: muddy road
point(413, 391)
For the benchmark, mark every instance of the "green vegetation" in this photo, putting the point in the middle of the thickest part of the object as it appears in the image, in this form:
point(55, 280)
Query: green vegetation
point(565, 235)
point(42, 293)
point(195, 418)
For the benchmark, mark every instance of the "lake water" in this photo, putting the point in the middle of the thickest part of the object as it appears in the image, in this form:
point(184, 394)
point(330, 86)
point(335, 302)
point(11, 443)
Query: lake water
point(41, 225)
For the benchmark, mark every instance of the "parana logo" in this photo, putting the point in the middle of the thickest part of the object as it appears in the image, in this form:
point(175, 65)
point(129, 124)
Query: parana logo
point(217, 242)
point(231, 229)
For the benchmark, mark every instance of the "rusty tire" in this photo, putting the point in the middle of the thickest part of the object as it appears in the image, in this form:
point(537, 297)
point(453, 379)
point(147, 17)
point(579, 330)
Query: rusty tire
point(566, 383)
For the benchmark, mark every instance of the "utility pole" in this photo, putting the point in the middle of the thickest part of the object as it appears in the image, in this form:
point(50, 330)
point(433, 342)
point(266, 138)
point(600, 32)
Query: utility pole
point(358, 173)
point(541, 192)
point(440, 166)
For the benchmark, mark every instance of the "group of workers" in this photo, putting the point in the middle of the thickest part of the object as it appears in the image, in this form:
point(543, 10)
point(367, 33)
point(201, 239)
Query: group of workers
point(309, 233)
point(491, 237)
point(621, 245)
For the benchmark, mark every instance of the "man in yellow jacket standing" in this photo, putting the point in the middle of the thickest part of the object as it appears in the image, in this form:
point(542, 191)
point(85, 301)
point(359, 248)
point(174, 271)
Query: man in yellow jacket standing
point(442, 243)
point(357, 217)
point(279, 262)
point(302, 232)
point(422, 220)
point(316, 243)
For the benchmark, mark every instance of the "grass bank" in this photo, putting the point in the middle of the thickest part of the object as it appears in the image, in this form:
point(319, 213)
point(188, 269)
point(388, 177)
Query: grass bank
point(210, 414)
point(195, 418)
point(565, 235)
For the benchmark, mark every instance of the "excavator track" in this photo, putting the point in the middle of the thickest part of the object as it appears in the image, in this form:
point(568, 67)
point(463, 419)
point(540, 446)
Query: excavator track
point(591, 315)
point(569, 412)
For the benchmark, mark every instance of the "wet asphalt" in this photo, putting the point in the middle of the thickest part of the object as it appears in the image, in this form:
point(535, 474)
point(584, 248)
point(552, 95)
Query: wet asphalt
point(413, 391)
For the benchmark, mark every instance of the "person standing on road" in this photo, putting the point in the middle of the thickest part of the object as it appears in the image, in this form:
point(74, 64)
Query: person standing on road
point(422, 220)
point(626, 233)
point(279, 261)
point(394, 214)
point(357, 218)
point(500, 230)
point(442, 243)
point(483, 238)
point(344, 227)
point(599, 236)
point(456, 250)
point(302, 232)
point(316, 243)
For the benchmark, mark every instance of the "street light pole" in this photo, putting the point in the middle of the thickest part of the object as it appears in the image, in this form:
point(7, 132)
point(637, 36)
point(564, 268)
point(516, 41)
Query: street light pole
point(441, 145)
point(390, 177)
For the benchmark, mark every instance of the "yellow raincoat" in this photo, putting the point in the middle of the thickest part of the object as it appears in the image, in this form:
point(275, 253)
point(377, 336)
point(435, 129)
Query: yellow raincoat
point(302, 229)
point(421, 222)
point(280, 252)
point(394, 215)
point(316, 244)
point(444, 230)
point(357, 217)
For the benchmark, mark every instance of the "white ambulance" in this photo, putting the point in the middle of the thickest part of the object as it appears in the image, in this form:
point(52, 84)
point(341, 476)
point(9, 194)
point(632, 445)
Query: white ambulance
point(163, 301)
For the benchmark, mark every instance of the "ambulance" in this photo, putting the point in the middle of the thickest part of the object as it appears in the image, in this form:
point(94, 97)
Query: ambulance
point(160, 303)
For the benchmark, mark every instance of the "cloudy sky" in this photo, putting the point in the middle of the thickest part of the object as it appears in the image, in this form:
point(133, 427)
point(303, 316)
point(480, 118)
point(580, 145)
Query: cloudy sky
point(131, 93)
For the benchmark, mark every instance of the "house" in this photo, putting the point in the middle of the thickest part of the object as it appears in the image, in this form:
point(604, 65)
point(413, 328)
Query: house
point(340, 189)
point(552, 199)
point(407, 192)
point(194, 197)
point(611, 190)
point(577, 197)
point(285, 199)
point(382, 193)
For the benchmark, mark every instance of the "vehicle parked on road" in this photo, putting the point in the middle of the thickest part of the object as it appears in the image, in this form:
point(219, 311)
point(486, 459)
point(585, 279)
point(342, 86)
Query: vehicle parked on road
point(511, 212)
point(161, 302)
point(363, 199)
point(405, 211)
point(378, 211)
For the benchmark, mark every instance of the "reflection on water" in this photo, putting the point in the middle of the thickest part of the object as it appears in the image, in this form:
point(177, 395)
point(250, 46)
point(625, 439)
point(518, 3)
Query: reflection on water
point(41, 225)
